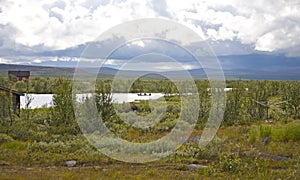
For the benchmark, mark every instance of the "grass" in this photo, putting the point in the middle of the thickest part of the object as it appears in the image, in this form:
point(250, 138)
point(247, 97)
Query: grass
point(14, 146)
point(115, 171)
point(231, 155)
point(277, 132)
point(234, 153)
point(223, 170)
point(288, 132)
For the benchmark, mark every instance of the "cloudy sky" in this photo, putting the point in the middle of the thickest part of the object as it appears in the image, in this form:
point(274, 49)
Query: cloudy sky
point(29, 28)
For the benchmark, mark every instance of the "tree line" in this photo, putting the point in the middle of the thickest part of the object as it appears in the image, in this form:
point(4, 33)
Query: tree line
point(241, 105)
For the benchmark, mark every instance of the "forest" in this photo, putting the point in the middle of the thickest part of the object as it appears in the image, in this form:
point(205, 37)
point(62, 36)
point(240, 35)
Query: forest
point(259, 136)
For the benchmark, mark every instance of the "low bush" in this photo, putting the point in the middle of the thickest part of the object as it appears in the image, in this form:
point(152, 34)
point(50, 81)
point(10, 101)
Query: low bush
point(211, 151)
point(14, 145)
point(285, 133)
point(58, 146)
point(277, 132)
point(53, 147)
point(229, 163)
point(265, 131)
point(4, 138)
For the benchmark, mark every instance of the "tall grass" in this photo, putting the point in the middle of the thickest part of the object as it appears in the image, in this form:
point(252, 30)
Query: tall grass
point(285, 133)
point(278, 132)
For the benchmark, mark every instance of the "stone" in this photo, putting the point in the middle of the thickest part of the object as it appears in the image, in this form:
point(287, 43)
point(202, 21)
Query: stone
point(4, 164)
point(97, 168)
point(264, 155)
point(71, 163)
point(194, 167)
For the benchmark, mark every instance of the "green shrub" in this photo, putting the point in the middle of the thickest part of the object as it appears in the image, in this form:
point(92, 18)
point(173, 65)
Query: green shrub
point(265, 131)
point(253, 135)
point(279, 132)
point(189, 150)
point(211, 151)
point(21, 131)
point(58, 146)
point(214, 148)
point(164, 126)
point(4, 138)
point(41, 136)
point(4, 105)
point(14, 145)
point(182, 167)
point(285, 133)
point(54, 147)
point(280, 135)
point(229, 163)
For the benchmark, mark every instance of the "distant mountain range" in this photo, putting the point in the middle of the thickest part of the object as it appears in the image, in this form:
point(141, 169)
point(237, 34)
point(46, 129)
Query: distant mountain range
point(292, 73)
point(37, 70)
point(247, 66)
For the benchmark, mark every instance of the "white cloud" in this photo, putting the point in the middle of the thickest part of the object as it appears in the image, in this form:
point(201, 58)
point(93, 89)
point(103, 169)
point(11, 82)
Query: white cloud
point(157, 66)
point(113, 62)
point(59, 24)
point(37, 61)
point(188, 67)
point(138, 43)
point(63, 24)
point(249, 22)
point(5, 61)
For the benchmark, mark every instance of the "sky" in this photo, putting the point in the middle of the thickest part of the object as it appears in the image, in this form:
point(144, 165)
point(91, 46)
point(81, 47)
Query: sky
point(31, 29)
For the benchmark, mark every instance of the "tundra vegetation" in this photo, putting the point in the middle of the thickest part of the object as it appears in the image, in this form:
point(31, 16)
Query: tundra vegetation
point(38, 142)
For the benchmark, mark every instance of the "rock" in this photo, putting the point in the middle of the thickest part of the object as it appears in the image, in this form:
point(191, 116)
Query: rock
point(266, 140)
point(97, 168)
point(264, 155)
point(194, 167)
point(71, 163)
point(4, 164)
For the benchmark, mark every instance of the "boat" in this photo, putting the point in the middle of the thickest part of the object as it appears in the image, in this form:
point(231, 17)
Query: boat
point(144, 94)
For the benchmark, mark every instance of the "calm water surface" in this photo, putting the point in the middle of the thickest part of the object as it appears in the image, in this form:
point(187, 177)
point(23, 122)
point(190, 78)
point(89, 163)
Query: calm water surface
point(45, 100)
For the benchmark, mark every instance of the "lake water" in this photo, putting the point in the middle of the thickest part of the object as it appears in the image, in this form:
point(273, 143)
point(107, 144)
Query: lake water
point(45, 100)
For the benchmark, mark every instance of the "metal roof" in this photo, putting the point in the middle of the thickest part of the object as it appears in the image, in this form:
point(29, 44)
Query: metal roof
point(11, 91)
point(20, 73)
